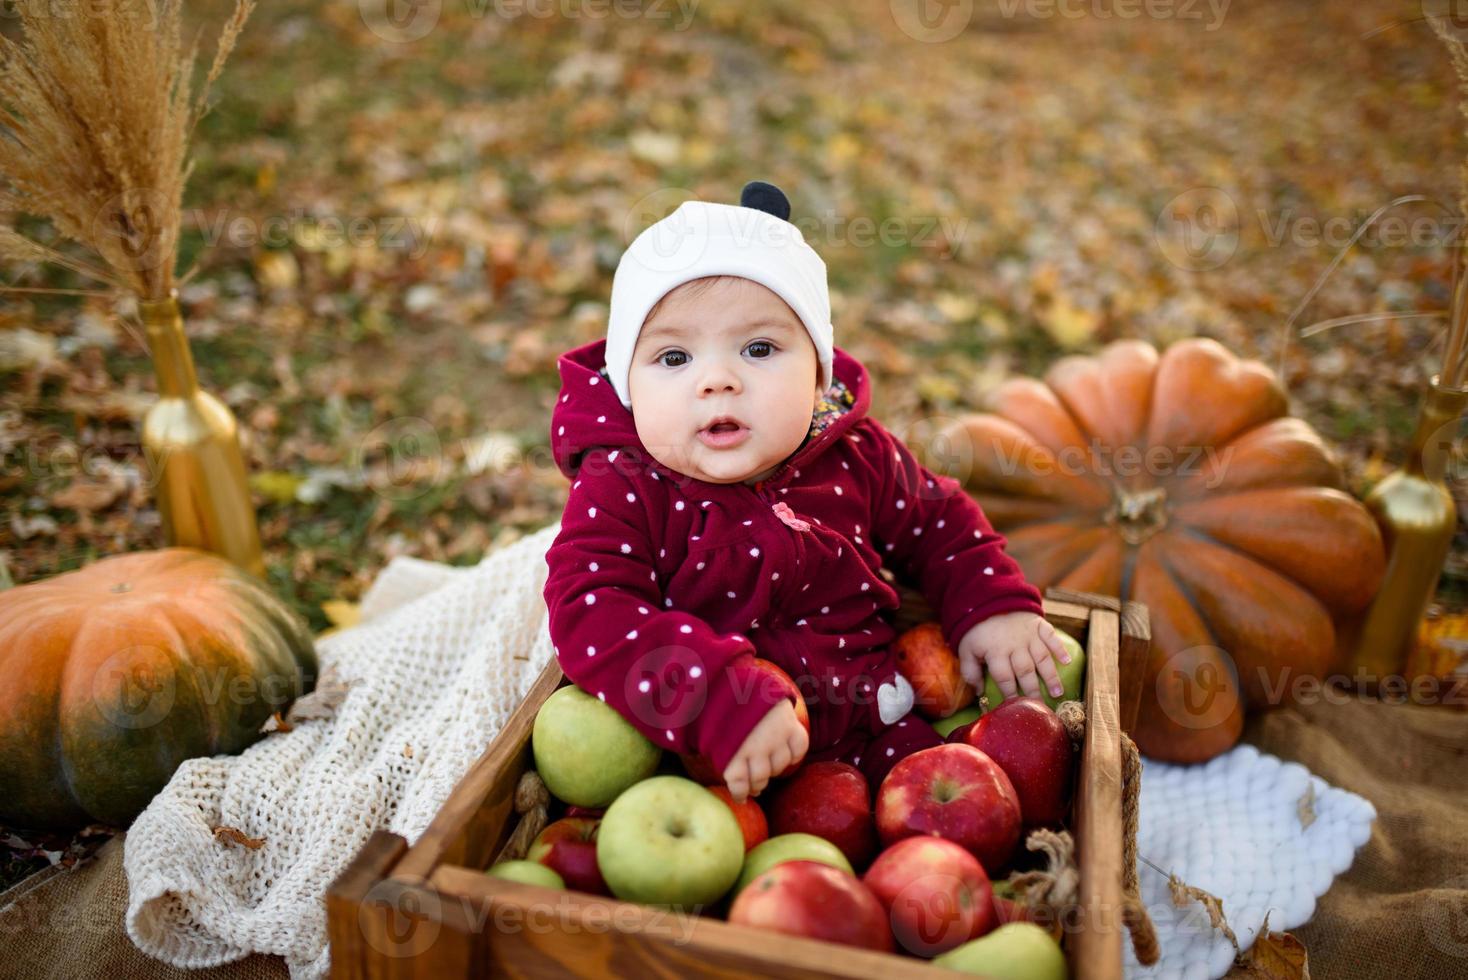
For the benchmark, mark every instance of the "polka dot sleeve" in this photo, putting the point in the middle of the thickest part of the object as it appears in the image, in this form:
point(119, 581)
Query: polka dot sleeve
point(684, 685)
point(936, 537)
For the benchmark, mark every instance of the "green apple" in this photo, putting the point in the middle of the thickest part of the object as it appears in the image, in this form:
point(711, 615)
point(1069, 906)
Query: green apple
point(1072, 676)
point(527, 873)
point(1017, 951)
point(586, 752)
point(962, 716)
point(790, 847)
point(668, 841)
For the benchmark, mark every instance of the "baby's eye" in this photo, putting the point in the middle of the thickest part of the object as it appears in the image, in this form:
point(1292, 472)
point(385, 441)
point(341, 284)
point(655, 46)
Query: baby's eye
point(762, 344)
point(671, 353)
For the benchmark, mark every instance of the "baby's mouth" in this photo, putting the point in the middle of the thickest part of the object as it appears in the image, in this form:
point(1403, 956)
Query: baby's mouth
point(723, 434)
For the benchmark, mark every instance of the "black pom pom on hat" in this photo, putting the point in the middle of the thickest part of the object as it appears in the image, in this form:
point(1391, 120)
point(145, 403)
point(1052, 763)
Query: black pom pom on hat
point(766, 197)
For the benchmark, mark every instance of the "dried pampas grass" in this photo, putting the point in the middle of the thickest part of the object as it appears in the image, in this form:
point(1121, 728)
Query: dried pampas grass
point(1455, 357)
point(96, 112)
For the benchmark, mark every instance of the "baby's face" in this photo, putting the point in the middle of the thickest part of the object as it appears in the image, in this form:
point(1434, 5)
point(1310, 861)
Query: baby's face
point(735, 348)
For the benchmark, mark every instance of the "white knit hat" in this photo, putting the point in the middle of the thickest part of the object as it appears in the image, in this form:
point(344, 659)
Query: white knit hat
point(753, 239)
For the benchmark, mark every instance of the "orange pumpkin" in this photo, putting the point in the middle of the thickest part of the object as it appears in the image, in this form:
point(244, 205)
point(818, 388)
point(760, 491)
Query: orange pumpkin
point(1179, 481)
point(112, 675)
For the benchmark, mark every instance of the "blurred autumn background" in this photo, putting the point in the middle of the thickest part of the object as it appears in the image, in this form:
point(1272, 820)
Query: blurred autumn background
point(396, 224)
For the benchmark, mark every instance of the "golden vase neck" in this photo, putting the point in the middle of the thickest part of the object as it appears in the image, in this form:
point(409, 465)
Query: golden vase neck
point(1437, 431)
point(169, 347)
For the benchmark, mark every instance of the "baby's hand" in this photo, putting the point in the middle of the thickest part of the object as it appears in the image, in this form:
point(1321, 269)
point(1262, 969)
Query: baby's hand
point(1014, 646)
point(778, 740)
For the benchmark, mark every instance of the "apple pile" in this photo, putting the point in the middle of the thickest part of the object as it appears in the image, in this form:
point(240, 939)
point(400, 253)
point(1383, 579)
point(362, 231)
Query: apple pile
point(916, 867)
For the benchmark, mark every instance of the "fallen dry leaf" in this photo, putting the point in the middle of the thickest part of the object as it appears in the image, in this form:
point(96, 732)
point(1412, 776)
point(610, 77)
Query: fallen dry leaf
point(1274, 956)
point(89, 495)
point(275, 723)
point(322, 702)
point(1182, 893)
point(342, 615)
point(237, 836)
point(1306, 810)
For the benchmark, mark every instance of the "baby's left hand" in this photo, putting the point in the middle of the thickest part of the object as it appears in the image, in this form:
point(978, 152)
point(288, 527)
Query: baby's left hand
point(1015, 646)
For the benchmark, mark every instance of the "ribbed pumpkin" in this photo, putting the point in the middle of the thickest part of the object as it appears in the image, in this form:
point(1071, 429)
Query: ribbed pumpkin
point(112, 675)
point(1232, 527)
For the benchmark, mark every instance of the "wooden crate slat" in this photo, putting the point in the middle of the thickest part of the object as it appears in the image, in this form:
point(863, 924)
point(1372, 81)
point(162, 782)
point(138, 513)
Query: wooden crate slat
point(663, 943)
point(1096, 944)
point(344, 899)
point(1136, 646)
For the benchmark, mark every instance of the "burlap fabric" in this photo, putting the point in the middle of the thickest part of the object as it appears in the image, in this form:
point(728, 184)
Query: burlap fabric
point(1399, 913)
point(67, 925)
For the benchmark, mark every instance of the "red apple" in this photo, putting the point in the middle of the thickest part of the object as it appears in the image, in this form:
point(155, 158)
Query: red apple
point(808, 898)
point(594, 812)
point(701, 769)
point(938, 688)
point(568, 847)
point(936, 894)
point(751, 818)
point(959, 735)
point(1029, 743)
point(830, 800)
point(956, 792)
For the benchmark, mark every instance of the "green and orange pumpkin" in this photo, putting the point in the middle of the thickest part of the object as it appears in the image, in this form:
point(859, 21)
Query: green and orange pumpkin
point(1180, 481)
point(114, 674)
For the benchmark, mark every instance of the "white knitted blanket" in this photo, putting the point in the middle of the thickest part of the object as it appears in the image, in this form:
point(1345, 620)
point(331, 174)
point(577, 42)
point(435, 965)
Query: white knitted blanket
point(1264, 836)
point(440, 659)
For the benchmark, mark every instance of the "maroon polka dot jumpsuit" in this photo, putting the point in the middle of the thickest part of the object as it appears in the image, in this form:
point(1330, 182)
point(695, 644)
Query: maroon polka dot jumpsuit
point(662, 588)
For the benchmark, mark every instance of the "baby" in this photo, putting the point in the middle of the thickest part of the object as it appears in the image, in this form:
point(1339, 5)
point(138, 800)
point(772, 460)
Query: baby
point(731, 497)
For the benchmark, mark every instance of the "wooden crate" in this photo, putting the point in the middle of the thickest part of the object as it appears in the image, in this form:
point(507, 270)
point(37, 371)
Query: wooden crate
point(429, 911)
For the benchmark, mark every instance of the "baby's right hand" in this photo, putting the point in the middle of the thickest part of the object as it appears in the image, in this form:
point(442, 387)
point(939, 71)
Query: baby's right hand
point(778, 740)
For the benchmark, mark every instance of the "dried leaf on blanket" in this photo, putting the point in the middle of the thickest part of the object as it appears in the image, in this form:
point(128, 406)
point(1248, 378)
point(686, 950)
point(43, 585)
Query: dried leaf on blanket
point(275, 723)
point(1306, 810)
point(237, 836)
point(322, 702)
point(1274, 956)
point(1183, 893)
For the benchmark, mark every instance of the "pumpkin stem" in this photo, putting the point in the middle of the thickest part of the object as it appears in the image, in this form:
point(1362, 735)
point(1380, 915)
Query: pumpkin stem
point(1138, 515)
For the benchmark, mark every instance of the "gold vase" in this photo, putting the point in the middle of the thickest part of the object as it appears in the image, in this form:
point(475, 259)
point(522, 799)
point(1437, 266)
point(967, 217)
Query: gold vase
point(191, 443)
point(1417, 517)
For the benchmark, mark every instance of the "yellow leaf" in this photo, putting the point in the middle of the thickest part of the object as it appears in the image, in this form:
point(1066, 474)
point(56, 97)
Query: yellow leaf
point(277, 270)
point(277, 486)
point(1069, 324)
point(843, 148)
point(698, 152)
point(956, 307)
point(342, 613)
point(937, 388)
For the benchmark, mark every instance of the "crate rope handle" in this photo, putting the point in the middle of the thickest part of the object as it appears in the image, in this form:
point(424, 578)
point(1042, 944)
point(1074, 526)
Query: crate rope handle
point(532, 802)
point(1133, 912)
